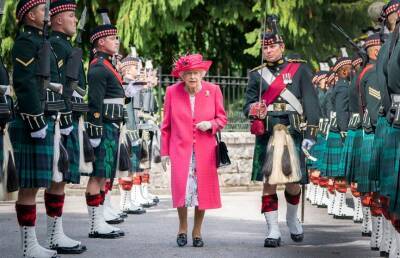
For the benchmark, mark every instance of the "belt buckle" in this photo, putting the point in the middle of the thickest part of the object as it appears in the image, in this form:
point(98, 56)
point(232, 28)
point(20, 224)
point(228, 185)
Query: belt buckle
point(279, 107)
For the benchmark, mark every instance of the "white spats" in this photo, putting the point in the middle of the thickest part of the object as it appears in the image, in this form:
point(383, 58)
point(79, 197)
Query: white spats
point(376, 236)
point(30, 246)
point(55, 234)
point(273, 231)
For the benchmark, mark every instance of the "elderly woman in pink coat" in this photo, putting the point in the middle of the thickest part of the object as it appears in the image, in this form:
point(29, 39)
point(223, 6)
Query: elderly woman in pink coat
point(193, 114)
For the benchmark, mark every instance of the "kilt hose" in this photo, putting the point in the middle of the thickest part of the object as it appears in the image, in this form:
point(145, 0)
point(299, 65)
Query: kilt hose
point(364, 183)
point(106, 153)
point(71, 143)
point(333, 154)
point(33, 156)
point(260, 150)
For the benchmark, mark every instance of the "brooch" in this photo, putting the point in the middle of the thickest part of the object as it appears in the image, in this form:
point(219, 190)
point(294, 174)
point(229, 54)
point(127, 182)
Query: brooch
point(207, 93)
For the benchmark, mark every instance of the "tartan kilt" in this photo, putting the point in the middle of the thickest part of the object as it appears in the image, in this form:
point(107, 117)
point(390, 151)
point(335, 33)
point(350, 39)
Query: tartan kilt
point(351, 163)
point(106, 153)
point(364, 183)
point(377, 151)
point(334, 146)
point(389, 167)
point(316, 151)
point(260, 153)
point(33, 156)
point(135, 159)
point(71, 143)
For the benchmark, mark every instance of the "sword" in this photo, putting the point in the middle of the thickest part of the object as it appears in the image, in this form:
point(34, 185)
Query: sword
point(308, 155)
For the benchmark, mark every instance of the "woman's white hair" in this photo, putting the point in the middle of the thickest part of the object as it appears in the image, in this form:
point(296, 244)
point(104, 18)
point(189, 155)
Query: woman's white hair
point(203, 73)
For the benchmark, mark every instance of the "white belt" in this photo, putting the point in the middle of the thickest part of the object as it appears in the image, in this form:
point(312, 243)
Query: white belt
point(288, 107)
point(76, 94)
point(117, 101)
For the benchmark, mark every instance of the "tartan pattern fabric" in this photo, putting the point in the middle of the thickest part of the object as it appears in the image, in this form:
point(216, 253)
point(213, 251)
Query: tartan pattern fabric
point(33, 157)
point(389, 167)
point(351, 163)
point(269, 203)
point(260, 153)
point(364, 183)
point(135, 159)
point(106, 153)
point(377, 151)
point(317, 151)
point(334, 146)
point(71, 143)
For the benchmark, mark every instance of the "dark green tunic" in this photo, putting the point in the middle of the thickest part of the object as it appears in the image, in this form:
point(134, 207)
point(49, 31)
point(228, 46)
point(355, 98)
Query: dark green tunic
point(33, 157)
point(104, 119)
point(303, 89)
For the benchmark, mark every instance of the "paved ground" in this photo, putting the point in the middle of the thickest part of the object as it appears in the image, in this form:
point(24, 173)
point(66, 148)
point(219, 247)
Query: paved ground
point(236, 230)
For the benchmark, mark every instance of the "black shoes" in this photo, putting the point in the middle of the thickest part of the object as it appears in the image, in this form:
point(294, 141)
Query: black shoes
point(383, 254)
point(272, 242)
point(181, 239)
point(297, 237)
point(70, 250)
point(198, 242)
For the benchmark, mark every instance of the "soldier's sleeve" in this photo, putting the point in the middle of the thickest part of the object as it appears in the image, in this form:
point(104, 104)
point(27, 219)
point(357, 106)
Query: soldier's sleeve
point(341, 104)
point(61, 58)
point(26, 84)
point(312, 111)
point(372, 95)
point(97, 80)
point(4, 80)
point(82, 77)
point(252, 92)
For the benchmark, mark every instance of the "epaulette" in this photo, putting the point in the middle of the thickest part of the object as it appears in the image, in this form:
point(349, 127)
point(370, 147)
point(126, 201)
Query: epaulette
point(296, 61)
point(258, 67)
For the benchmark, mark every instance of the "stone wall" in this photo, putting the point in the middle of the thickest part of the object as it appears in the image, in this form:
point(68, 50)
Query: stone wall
point(236, 176)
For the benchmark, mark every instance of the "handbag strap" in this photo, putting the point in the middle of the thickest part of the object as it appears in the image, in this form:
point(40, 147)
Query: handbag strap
point(218, 137)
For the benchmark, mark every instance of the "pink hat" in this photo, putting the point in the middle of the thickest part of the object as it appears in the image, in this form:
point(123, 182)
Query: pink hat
point(190, 62)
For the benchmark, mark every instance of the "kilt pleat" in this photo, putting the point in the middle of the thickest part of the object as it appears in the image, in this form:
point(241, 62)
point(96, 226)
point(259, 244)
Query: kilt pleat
point(71, 143)
point(135, 158)
point(389, 167)
point(334, 146)
point(364, 183)
point(106, 153)
point(316, 151)
point(353, 166)
point(33, 157)
point(377, 150)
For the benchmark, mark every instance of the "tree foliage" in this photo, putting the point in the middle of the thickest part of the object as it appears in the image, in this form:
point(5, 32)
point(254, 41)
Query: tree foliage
point(226, 32)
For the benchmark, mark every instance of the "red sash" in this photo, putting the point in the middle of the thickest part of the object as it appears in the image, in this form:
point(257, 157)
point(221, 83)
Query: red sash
point(109, 67)
point(277, 86)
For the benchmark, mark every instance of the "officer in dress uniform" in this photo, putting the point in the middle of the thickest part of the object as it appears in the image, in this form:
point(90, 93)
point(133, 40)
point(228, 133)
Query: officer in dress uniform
point(106, 99)
point(284, 118)
point(369, 104)
point(63, 22)
point(32, 131)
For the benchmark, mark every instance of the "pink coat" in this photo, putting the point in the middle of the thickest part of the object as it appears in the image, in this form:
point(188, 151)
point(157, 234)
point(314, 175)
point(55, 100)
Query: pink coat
point(179, 134)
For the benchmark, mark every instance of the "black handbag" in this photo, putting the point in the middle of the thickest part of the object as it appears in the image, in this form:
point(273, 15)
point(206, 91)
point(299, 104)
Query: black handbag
point(223, 159)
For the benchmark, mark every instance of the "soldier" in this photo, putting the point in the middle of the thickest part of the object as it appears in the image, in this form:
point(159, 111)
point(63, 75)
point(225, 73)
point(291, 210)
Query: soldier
point(293, 79)
point(32, 131)
point(130, 71)
point(63, 23)
point(339, 125)
point(369, 104)
point(106, 100)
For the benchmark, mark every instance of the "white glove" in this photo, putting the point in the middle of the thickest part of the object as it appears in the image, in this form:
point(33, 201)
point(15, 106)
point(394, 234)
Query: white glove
point(67, 131)
point(95, 142)
point(165, 162)
point(41, 134)
point(307, 144)
point(204, 126)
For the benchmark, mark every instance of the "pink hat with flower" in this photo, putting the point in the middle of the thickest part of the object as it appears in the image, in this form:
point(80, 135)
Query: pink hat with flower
point(190, 62)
